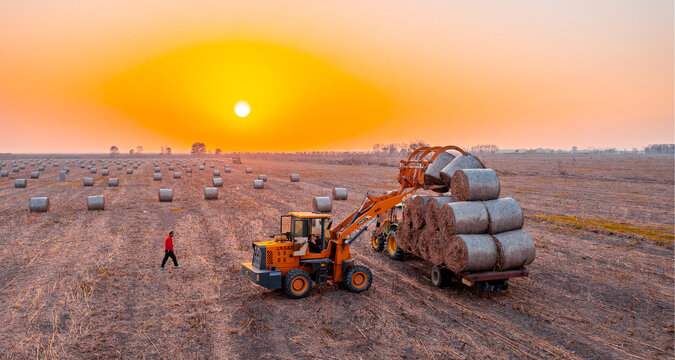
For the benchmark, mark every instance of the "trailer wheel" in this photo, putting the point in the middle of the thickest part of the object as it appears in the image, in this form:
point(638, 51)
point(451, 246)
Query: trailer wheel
point(440, 277)
point(377, 241)
point(394, 252)
point(297, 284)
point(493, 285)
point(358, 278)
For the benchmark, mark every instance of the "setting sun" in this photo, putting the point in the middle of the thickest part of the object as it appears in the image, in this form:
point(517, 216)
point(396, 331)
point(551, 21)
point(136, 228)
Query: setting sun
point(242, 109)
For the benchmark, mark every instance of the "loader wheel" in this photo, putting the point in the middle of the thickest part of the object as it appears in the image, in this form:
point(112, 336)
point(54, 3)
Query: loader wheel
point(297, 284)
point(358, 278)
point(440, 277)
point(394, 252)
point(377, 242)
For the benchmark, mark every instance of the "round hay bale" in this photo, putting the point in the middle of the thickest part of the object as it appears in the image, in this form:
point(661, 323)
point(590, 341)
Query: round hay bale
point(188, 170)
point(82, 166)
point(432, 175)
point(471, 253)
point(130, 171)
point(39, 204)
point(227, 169)
point(431, 210)
point(201, 167)
point(424, 242)
point(417, 205)
point(216, 172)
point(404, 235)
point(20, 183)
point(67, 170)
point(211, 193)
point(34, 175)
point(218, 182)
point(503, 215)
point(135, 166)
point(88, 181)
point(322, 204)
point(437, 245)
point(459, 162)
point(262, 177)
point(119, 167)
point(170, 167)
point(63, 176)
point(93, 170)
point(96, 202)
point(112, 182)
point(249, 170)
point(157, 177)
point(176, 174)
point(475, 184)
point(467, 217)
point(515, 249)
point(15, 169)
point(157, 169)
point(4, 173)
point(295, 177)
point(258, 184)
point(165, 195)
point(339, 194)
point(104, 172)
point(212, 165)
point(41, 168)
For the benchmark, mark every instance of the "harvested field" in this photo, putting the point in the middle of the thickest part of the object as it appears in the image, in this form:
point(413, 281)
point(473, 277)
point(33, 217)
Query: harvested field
point(86, 284)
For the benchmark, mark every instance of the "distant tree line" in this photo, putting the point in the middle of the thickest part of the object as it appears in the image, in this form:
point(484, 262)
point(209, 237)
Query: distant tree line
point(399, 148)
point(486, 148)
point(660, 149)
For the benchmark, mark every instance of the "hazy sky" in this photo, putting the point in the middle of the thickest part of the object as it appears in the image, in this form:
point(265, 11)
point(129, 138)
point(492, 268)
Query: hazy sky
point(80, 76)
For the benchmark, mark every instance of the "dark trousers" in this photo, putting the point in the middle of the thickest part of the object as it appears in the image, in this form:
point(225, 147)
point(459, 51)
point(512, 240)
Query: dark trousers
point(169, 254)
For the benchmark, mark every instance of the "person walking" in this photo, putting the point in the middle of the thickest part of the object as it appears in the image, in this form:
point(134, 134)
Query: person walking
point(168, 251)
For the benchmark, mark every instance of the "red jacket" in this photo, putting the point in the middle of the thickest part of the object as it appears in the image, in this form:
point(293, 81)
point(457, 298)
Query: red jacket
point(168, 243)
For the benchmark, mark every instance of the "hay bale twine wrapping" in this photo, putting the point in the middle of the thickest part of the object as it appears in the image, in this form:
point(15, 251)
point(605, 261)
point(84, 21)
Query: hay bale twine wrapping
point(112, 182)
point(417, 206)
point(432, 176)
point(471, 253)
point(459, 162)
point(96, 202)
point(176, 174)
point(20, 183)
point(165, 195)
point(218, 182)
point(466, 217)
point(88, 181)
point(34, 175)
point(322, 204)
point(431, 210)
point(262, 177)
point(39, 204)
point(339, 193)
point(503, 215)
point(211, 193)
point(4, 173)
point(249, 170)
point(104, 172)
point(515, 249)
point(295, 177)
point(93, 170)
point(130, 171)
point(63, 176)
point(216, 172)
point(258, 184)
point(157, 177)
point(475, 184)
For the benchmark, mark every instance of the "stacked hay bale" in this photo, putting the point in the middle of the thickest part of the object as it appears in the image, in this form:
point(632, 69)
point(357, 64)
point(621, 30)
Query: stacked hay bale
point(471, 230)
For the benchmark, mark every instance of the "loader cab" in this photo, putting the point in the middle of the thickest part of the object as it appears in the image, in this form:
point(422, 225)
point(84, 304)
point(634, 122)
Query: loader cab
point(307, 231)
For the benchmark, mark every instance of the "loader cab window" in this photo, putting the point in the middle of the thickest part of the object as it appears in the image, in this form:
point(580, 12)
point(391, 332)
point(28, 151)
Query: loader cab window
point(285, 224)
point(300, 228)
point(317, 241)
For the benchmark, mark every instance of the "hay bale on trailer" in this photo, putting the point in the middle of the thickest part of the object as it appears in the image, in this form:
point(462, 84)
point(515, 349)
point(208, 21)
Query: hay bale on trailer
point(475, 184)
point(322, 204)
point(339, 193)
point(466, 217)
point(468, 252)
point(39, 204)
point(432, 176)
point(295, 177)
point(515, 249)
point(88, 181)
point(165, 195)
point(258, 184)
point(417, 205)
point(504, 215)
point(157, 177)
point(431, 210)
point(218, 182)
point(112, 182)
point(19, 183)
point(459, 162)
point(211, 193)
point(96, 202)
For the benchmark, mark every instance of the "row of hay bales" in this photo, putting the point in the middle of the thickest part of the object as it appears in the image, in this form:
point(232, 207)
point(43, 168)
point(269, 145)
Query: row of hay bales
point(470, 230)
point(323, 204)
point(41, 203)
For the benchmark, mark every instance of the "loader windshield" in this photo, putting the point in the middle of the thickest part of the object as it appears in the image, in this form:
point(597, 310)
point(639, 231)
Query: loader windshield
point(285, 224)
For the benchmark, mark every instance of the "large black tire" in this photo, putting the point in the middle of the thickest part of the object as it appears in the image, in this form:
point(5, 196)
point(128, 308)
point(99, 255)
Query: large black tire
point(394, 252)
point(358, 278)
point(440, 277)
point(297, 284)
point(377, 241)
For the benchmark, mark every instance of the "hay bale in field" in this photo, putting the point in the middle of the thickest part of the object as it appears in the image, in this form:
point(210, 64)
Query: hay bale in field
point(39, 204)
point(295, 177)
point(4, 173)
point(216, 172)
point(459, 162)
point(431, 210)
point(432, 176)
point(67, 170)
point(339, 193)
point(417, 206)
point(96, 202)
point(130, 171)
point(212, 165)
point(504, 215)
point(88, 181)
point(258, 184)
point(82, 166)
point(63, 176)
point(515, 249)
point(157, 177)
point(249, 170)
point(471, 253)
point(34, 175)
point(20, 183)
point(466, 217)
point(475, 184)
point(41, 168)
point(211, 193)
point(119, 167)
point(165, 195)
point(170, 167)
point(218, 182)
point(157, 169)
point(262, 177)
point(201, 167)
point(15, 169)
point(93, 170)
point(104, 172)
point(176, 174)
point(112, 182)
point(188, 170)
point(322, 204)
point(227, 169)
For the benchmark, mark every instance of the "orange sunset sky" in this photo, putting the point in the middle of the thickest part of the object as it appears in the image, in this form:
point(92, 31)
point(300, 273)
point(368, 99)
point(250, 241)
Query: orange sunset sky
point(80, 76)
